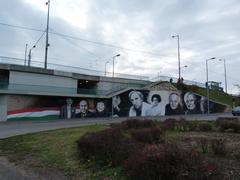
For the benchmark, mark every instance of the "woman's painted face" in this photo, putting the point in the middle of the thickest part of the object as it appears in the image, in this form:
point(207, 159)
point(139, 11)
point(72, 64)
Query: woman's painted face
point(190, 102)
point(155, 101)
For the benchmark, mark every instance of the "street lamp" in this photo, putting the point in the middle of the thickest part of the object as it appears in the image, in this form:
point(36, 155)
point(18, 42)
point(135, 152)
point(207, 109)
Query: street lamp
point(179, 71)
point(30, 55)
point(106, 68)
point(225, 73)
point(113, 62)
point(207, 82)
point(25, 59)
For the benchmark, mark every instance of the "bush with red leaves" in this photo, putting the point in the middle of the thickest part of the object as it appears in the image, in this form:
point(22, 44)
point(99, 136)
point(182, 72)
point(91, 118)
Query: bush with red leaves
point(137, 123)
point(107, 147)
point(169, 124)
point(168, 162)
point(147, 135)
point(205, 127)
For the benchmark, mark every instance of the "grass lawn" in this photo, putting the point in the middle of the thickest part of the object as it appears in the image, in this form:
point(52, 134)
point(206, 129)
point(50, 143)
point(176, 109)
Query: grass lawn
point(55, 149)
point(58, 150)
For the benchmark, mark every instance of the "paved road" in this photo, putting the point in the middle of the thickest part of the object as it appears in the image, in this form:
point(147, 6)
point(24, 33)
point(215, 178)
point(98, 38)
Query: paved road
point(8, 129)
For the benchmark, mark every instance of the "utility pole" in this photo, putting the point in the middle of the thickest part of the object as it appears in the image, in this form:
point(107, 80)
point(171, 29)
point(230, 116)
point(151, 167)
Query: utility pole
point(225, 73)
point(47, 44)
point(179, 68)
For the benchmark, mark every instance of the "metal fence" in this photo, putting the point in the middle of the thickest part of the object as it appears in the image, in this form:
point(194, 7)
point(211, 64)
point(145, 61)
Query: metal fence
point(175, 80)
point(72, 69)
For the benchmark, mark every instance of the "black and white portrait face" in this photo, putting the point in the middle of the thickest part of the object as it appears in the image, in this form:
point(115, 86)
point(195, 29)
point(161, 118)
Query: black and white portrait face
point(174, 100)
point(116, 100)
point(83, 106)
point(69, 101)
point(100, 106)
point(190, 100)
point(156, 99)
point(136, 99)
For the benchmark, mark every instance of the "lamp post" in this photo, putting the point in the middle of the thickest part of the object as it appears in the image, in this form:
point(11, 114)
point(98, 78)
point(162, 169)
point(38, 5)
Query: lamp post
point(106, 68)
point(25, 59)
point(113, 62)
point(207, 82)
point(225, 73)
point(30, 55)
point(179, 69)
point(47, 44)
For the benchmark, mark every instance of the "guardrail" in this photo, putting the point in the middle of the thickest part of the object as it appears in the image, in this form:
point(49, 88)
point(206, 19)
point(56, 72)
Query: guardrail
point(175, 80)
point(72, 69)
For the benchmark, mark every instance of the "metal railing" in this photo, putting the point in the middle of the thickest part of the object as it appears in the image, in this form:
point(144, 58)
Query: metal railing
point(72, 69)
point(175, 80)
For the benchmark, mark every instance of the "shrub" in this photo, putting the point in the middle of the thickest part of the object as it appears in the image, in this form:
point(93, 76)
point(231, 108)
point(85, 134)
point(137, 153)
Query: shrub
point(205, 127)
point(168, 162)
point(203, 143)
point(169, 124)
point(196, 166)
point(153, 162)
point(136, 123)
point(182, 125)
point(218, 146)
point(231, 124)
point(102, 146)
point(147, 135)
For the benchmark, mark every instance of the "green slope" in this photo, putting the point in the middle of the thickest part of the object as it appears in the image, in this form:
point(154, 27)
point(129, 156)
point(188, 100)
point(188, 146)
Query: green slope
point(214, 95)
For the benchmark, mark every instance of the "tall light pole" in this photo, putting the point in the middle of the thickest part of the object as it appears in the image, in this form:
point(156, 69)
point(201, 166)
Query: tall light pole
point(113, 62)
point(25, 59)
point(30, 55)
point(179, 69)
point(225, 73)
point(207, 82)
point(106, 68)
point(47, 44)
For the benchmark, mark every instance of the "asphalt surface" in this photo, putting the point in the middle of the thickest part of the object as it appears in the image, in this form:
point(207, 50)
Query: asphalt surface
point(8, 129)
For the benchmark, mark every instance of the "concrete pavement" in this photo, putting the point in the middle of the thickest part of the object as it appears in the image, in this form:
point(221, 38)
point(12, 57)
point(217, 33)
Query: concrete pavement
point(8, 129)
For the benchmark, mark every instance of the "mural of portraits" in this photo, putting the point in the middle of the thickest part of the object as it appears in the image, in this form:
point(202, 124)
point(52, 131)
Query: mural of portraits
point(128, 104)
point(67, 111)
point(155, 109)
point(158, 103)
point(84, 110)
point(102, 109)
point(118, 107)
point(138, 107)
point(93, 108)
point(192, 103)
point(174, 106)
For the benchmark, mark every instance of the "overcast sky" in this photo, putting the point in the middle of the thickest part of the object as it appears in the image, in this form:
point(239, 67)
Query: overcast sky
point(207, 28)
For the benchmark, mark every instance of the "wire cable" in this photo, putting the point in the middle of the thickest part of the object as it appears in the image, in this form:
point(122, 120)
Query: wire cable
point(88, 41)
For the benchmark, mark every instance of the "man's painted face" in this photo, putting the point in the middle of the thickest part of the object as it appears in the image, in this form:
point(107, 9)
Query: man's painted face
point(100, 106)
point(174, 100)
point(190, 102)
point(83, 106)
point(136, 101)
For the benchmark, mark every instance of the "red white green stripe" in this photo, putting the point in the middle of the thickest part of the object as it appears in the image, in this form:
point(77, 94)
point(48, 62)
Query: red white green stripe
point(33, 113)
